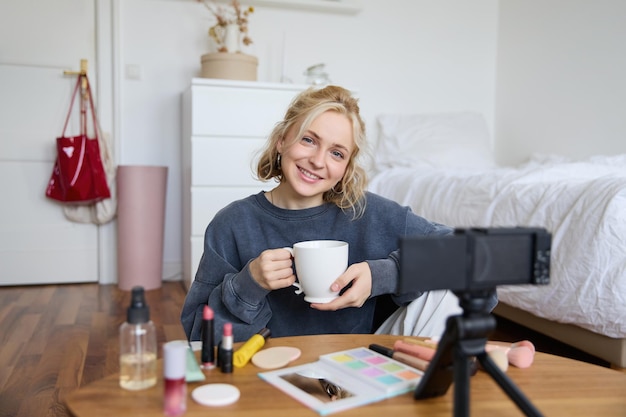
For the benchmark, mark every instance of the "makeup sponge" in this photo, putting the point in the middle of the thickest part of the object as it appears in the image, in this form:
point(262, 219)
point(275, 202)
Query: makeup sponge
point(521, 356)
point(275, 357)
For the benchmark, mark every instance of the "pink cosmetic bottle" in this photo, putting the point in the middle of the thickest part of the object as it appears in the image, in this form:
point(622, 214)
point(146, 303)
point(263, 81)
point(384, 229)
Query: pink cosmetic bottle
point(174, 368)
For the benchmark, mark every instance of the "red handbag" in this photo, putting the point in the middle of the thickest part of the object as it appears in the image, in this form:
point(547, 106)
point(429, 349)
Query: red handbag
point(78, 175)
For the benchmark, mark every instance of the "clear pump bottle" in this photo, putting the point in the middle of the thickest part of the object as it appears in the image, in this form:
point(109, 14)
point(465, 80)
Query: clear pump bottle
point(138, 346)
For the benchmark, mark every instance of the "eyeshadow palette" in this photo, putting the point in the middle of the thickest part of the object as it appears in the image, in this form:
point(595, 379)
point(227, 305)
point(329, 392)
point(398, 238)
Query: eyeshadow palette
point(385, 373)
point(343, 380)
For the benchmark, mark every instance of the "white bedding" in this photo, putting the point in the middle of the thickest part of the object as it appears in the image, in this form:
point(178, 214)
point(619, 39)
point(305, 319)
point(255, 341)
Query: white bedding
point(583, 205)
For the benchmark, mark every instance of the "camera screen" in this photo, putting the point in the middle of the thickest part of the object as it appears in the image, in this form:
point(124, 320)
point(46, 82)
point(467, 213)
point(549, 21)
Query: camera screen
point(474, 259)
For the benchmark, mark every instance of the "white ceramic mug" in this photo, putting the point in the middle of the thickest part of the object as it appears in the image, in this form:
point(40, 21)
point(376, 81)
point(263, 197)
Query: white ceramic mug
point(318, 264)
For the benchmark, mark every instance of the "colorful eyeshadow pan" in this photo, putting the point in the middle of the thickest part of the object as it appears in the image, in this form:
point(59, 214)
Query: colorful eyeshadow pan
point(343, 358)
point(375, 360)
point(388, 379)
point(373, 372)
point(392, 367)
point(356, 365)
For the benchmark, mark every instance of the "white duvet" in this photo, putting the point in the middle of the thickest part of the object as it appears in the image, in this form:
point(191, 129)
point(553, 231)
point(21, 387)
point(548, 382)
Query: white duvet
point(583, 205)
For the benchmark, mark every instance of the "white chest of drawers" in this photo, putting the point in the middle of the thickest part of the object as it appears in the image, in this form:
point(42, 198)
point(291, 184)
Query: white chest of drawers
point(225, 124)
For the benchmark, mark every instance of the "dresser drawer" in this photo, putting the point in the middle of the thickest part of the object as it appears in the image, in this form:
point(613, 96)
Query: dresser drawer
point(237, 111)
point(207, 201)
point(224, 161)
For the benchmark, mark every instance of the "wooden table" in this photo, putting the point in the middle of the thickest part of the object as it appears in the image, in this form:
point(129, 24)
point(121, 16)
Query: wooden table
point(556, 386)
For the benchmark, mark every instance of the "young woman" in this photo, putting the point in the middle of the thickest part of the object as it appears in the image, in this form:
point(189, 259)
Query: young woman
point(246, 276)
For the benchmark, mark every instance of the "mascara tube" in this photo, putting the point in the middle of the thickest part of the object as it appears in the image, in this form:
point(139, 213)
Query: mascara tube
point(243, 355)
point(207, 356)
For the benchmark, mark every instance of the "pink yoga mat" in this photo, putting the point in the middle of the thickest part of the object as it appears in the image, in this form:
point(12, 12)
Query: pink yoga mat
point(141, 192)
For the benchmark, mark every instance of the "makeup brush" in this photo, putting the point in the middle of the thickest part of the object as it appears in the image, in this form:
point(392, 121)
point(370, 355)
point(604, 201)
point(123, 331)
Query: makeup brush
point(519, 354)
point(526, 343)
point(498, 356)
point(414, 349)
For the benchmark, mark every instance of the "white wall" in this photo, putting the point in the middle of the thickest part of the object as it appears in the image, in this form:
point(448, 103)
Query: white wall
point(561, 84)
point(399, 55)
point(548, 75)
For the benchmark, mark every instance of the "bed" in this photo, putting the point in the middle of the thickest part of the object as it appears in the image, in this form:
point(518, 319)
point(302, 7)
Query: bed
point(442, 166)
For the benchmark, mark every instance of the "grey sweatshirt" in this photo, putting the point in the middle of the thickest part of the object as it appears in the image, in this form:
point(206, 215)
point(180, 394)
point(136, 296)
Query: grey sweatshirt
point(245, 228)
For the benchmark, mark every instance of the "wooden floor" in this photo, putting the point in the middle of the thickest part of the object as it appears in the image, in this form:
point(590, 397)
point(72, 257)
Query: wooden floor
point(56, 338)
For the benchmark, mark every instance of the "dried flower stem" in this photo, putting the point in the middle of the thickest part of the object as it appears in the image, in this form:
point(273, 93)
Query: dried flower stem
point(227, 15)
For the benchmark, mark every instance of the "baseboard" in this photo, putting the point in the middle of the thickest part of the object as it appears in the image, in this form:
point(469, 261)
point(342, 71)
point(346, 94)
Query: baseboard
point(172, 271)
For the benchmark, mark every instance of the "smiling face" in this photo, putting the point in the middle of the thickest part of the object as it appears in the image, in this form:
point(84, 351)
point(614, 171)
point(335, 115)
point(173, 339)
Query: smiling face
point(313, 163)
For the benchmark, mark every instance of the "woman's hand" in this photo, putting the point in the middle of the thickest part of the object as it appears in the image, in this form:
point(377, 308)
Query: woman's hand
point(273, 269)
point(361, 277)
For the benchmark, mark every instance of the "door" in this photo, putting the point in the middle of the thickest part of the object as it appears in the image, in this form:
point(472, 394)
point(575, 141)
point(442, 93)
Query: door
point(38, 41)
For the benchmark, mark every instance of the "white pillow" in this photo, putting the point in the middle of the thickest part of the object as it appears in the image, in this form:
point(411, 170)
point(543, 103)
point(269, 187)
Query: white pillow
point(440, 140)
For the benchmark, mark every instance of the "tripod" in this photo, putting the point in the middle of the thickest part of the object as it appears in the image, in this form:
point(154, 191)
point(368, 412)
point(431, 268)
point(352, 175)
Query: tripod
point(465, 337)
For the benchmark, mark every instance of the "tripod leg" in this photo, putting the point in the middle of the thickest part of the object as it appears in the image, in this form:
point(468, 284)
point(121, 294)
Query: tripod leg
point(508, 387)
point(461, 382)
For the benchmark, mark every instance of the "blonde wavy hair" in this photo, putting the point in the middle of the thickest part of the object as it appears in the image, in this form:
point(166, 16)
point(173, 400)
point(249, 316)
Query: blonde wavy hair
point(349, 193)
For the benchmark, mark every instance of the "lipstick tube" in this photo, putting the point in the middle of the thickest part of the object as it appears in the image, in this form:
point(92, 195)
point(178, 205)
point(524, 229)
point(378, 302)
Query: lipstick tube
point(174, 369)
point(207, 356)
point(243, 355)
point(226, 349)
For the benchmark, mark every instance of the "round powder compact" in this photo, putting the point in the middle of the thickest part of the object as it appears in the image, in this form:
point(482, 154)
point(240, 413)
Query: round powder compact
point(275, 357)
point(215, 395)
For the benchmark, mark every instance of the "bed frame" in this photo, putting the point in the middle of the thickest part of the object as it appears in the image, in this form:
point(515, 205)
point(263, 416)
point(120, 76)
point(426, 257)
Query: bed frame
point(606, 348)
